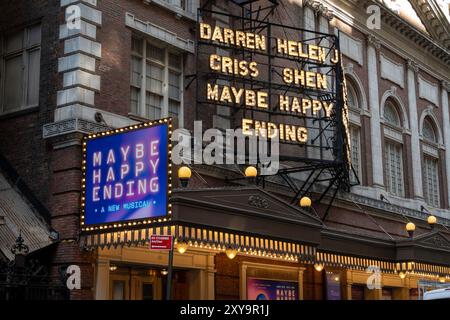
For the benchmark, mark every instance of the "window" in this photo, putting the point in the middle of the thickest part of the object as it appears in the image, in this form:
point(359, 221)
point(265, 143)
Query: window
point(431, 182)
point(156, 81)
point(355, 150)
point(352, 97)
point(394, 168)
point(430, 163)
point(20, 70)
point(354, 130)
point(185, 5)
point(391, 115)
point(428, 131)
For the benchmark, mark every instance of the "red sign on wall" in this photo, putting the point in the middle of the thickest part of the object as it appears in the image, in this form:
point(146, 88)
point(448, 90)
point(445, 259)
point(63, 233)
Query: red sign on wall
point(160, 242)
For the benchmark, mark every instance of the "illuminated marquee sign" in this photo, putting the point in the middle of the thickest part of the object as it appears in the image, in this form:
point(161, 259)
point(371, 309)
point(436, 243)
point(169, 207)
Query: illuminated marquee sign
point(126, 176)
point(276, 80)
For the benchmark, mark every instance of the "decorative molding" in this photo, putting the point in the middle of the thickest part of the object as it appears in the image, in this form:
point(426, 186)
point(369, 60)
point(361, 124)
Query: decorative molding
point(373, 41)
point(319, 9)
point(352, 47)
point(387, 207)
point(392, 70)
point(445, 85)
point(258, 202)
point(428, 90)
point(413, 66)
point(437, 241)
point(430, 150)
point(393, 134)
point(159, 33)
point(70, 126)
point(348, 68)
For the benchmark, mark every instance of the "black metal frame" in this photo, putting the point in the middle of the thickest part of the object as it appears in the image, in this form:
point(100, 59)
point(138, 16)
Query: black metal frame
point(334, 173)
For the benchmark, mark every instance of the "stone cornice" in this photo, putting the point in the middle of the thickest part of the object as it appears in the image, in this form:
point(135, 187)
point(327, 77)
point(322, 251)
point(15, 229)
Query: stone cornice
point(342, 12)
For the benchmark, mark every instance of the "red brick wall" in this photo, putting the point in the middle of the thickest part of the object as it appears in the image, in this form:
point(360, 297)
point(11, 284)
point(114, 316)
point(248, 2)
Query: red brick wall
point(21, 133)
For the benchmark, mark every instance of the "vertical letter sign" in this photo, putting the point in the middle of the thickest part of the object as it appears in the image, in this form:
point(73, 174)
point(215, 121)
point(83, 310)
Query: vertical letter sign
point(126, 180)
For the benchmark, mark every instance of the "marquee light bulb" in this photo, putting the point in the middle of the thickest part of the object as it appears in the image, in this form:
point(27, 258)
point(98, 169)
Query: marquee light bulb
point(182, 247)
point(318, 267)
point(231, 253)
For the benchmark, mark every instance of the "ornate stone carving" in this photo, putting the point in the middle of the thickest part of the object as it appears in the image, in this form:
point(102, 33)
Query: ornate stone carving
point(446, 85)
point(320, 9)
point(70, 126)
point(374, 41)
point(437, 242)
point(412, 65)
point(348, 68)
point(258, 201)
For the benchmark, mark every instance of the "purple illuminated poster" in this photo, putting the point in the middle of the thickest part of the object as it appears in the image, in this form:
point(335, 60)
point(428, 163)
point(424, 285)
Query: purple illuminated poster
point(126, 176)
point(262, 289)
point(333, 286)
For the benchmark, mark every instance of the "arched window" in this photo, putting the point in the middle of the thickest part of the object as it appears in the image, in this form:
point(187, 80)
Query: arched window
point(355, 131)
point(428, 131)
point(393, 146)
point(391, 114)
point(352, 96)
point(430, 162)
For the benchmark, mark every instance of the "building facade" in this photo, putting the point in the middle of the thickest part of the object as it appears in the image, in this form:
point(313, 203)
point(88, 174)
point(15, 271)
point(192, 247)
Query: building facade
point(132, 61)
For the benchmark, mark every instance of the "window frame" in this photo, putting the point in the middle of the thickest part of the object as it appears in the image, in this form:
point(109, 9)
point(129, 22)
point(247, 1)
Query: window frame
point(24, 52)
point(430, 151)
point(426, 156)
point(387, 170)
point(167, 68)
point(353, 128)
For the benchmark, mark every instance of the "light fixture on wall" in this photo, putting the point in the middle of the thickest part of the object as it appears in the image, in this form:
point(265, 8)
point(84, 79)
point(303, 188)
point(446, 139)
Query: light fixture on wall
point(164, 272)
point(231, 253)
point(251, 172)
point(182, 247)
point(305, 202)
point(112, 267)
point(402, 275)
point(432, 220)
point(318, 267)
point(410, 228)
point(184, 174)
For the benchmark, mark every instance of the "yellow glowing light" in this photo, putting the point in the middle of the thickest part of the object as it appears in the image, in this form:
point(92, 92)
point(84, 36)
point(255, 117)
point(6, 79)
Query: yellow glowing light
point(231, 253)
point(410, 227)
point(251, 172)
point(318, 267)
point(305, 202)
point(432, 220)
point(182, 247)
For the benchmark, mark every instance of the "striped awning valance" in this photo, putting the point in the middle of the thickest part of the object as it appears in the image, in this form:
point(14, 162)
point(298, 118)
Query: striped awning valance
point(204, 237)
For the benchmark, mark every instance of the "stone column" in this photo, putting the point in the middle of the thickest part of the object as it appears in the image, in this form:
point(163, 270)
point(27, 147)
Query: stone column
point(373, 45)
point(210, 275)
point(414, 126)
point(446, 129)
point(300, 284)
point(349, 291)
point(102, 280)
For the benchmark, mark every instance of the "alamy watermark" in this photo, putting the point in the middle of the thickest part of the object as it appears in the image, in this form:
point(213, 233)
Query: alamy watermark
point(230, 146)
